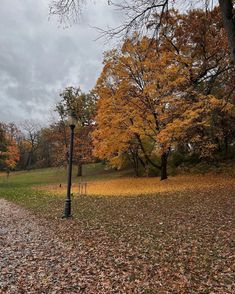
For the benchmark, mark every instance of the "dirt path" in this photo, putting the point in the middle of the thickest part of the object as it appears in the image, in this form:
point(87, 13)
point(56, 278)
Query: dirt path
point(32, 260)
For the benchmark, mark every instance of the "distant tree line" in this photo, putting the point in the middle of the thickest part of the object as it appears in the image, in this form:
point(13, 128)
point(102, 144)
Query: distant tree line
point(39, 147)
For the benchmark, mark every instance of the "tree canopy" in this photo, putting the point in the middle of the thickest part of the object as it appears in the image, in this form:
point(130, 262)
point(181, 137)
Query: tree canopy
point(154, 96)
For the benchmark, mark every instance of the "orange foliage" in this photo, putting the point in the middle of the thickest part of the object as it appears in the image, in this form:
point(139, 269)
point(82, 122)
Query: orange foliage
point(155, 96)
point(11, 155)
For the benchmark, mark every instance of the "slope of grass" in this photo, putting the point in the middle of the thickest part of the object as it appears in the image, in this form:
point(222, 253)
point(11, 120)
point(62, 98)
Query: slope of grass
point(19, 187)
point(95, 171)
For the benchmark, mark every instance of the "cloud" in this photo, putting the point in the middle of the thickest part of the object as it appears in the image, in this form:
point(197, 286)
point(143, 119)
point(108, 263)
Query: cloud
point(38, 58)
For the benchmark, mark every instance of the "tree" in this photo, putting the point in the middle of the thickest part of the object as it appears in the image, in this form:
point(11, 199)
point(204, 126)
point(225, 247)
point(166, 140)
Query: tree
point(158, 94)
point(141, 15)
point(29, 146)
point(84, 106)
point(56, 136)
point(136, 89)
point(9, 152)
point(228, 14)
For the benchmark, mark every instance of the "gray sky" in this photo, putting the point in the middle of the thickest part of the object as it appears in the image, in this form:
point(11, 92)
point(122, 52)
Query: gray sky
point(38, 59)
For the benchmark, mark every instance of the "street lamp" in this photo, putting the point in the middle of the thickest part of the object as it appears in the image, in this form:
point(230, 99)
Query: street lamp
point(72, 121)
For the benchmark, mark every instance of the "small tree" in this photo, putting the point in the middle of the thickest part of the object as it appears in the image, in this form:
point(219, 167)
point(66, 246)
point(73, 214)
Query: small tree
point(84, 106)
point(9, 151)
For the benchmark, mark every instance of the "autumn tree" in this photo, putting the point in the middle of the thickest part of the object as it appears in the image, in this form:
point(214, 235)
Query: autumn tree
point(84, 106)
point(52, 145)
point(47, 145)
point(162, 93)
point(136, 89)
point(205, 54)
point(9, 152)
point(29, 143)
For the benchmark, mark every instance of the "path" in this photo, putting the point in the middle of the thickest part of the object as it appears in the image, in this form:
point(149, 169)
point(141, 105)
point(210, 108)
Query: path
point(32, 260)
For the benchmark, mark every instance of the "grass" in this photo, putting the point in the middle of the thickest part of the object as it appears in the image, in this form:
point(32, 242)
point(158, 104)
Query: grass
point(35, 189)
point(164, 235)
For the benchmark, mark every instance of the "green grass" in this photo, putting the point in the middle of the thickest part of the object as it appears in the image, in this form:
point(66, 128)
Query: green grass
point(19, 187)
point(46, 176)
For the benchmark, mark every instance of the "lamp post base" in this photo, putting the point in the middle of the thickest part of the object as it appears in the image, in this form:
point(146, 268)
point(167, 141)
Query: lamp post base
point(67, 209)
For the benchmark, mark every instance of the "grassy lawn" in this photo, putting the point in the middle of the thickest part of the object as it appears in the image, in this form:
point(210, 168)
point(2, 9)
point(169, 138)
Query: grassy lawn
point(169, 237)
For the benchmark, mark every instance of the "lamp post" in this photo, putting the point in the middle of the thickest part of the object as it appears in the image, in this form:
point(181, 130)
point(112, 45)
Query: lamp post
point(72, 121)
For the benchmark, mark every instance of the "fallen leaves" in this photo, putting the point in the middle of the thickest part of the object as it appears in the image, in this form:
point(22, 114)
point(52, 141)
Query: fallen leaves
point(171, 242)
point(145, 186)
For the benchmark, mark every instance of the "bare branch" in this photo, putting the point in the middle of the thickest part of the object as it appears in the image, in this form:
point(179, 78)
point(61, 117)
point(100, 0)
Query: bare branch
point(68, 11)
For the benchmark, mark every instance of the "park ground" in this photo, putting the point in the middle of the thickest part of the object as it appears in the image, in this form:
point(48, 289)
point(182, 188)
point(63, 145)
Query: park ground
point(127, 235)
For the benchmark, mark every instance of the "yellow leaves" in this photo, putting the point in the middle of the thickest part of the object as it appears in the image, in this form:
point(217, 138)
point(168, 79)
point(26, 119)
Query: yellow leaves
point(136, 186)
point(135, 102)
point(151, 95)
point(220, 104)
point(117, 161)
point(26, 145)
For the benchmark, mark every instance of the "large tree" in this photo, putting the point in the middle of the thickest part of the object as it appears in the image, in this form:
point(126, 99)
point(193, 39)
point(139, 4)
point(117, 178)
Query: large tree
point(154, 101)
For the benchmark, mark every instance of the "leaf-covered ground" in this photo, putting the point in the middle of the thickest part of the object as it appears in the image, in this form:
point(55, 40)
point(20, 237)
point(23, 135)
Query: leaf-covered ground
point(173, 242)
point(140, 186)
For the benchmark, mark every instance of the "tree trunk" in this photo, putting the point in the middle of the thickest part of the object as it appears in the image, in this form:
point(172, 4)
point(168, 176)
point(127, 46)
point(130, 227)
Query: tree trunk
point(79, 172)
point(164, 166)
point(146, 170)
point(226, 145)
point(134, 162)
point(29, 160)
point(226, 8)
point(136, 169)
point(147, 158)
point(136, 166)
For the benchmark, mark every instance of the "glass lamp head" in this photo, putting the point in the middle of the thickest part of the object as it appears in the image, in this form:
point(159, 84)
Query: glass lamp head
point(72, 119)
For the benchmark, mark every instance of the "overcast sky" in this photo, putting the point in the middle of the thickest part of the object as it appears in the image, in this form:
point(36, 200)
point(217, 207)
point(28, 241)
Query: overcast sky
point(38, 58)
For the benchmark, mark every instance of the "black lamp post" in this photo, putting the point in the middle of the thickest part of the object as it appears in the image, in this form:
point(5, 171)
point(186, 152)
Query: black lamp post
point(72, 121)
